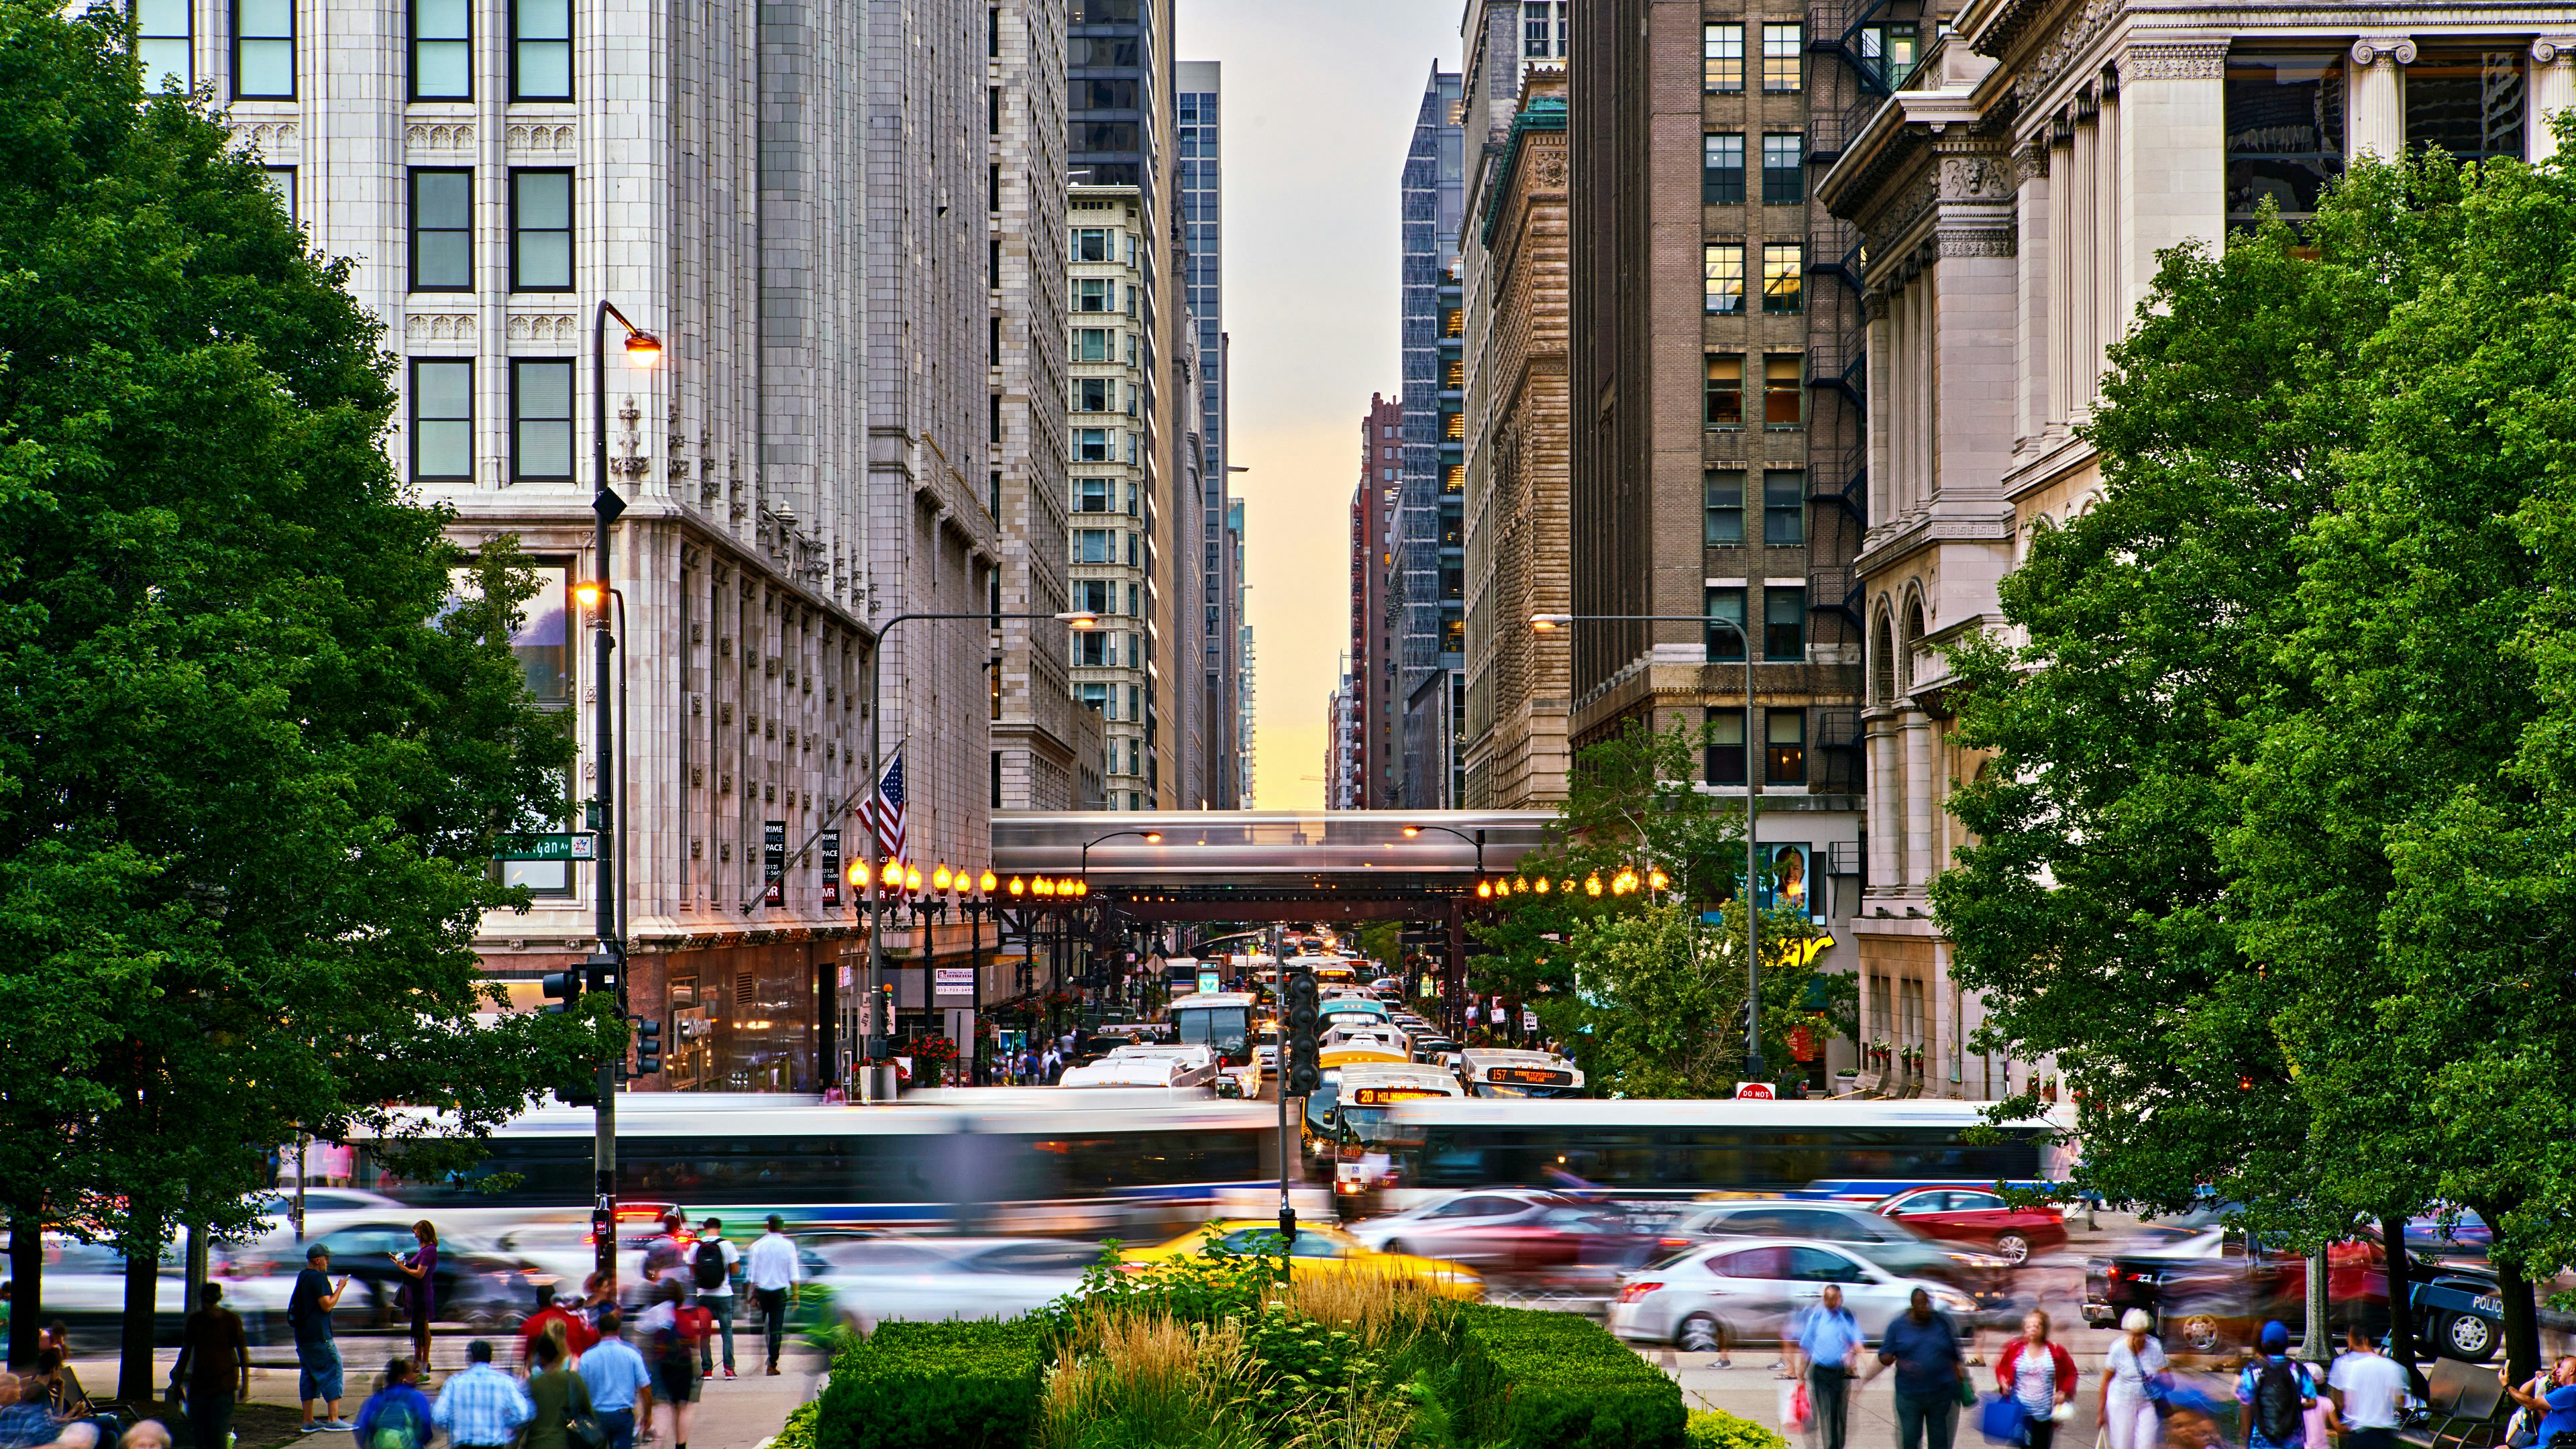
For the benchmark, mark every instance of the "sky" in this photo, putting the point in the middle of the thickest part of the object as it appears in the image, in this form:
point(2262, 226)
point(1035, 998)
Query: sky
point(1319, 101)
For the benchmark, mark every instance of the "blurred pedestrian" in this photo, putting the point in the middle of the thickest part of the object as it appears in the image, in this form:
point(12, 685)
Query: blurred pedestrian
point(674, 1330)
point(553, 1317)
point(1829, 1340)
point(772, 1271)
point(58, 1387)
point(1923, 1346)
point(2278, 1392)
point(214, 1364)
point(2368, 1391)
point(556, 1393)
point(598, 1299)
point(150, 1434)
point(318, 1377)
point(665, 1256)
point(712, 1268)
point(481, 1408)
point(396, 1416)
point(23, 1420)
point(78, 1434)
point(2132, 1383)
point(420, 1289)
point(2551, 1398)
point(621, 1389)
point(2040, 1376)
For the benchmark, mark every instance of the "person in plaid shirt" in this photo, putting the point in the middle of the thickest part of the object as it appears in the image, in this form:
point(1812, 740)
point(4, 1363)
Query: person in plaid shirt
point(482, 1408)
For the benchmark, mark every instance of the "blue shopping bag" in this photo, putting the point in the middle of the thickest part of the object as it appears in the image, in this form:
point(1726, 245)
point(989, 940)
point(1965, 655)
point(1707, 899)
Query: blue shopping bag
point(2000, 1419)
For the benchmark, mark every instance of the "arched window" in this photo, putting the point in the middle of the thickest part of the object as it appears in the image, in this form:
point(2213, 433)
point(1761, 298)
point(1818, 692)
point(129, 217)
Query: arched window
point(1913, 638)
point(1882, 663)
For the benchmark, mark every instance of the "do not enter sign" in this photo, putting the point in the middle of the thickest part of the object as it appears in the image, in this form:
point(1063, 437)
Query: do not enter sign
point(1754, 1090)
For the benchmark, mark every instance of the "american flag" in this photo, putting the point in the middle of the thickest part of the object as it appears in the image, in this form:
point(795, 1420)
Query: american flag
point(885, 814)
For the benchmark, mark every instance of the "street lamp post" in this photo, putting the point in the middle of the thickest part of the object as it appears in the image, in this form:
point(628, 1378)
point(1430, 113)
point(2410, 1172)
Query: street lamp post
point(609, 957)
point(1543, 623)
point(878, 1031)
point(1151, 837)
point(1457, 968)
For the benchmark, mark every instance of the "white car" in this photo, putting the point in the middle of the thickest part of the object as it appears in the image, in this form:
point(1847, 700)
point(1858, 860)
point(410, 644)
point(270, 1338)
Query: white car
point(1147, 1065)
point(881, 1279)
point(1746, 1290)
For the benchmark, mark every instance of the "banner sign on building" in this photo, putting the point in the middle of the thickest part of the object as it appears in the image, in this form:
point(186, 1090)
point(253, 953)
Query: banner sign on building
point(773, 862)
point(952, 980)
point(832, 868)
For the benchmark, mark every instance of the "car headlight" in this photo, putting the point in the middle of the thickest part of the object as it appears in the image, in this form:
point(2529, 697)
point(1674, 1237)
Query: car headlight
point(1980, 1260)
point(1955, 1302)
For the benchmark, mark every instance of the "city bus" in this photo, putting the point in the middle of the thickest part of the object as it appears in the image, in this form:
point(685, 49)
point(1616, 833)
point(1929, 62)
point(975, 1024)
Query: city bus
point(1509, 1072)
point(1367, 1095)
point(1220, 1020)
point(1678, 1150)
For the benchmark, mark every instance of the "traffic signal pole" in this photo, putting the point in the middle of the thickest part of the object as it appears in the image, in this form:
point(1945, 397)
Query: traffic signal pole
point(608, 955)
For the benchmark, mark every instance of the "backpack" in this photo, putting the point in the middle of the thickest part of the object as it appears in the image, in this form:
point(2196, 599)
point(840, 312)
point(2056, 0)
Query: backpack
point(2278, 1415)
point(397, 1429)
point(708, 1265)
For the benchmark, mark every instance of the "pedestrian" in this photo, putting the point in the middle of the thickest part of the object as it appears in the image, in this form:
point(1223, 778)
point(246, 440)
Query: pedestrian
point(79, 1434)
point(2278, 1392)
point(772, 1271)
point(674, 1329)
point(23, 1420)
point(553, 1317)
point(665, 1256)
point(2552, 1398)
point(712, 1268)
point(2039, 1376)
point(396, 1416)
point(420, 1289)
point(1829, 1340)
point(598, 1299)
point(620, 1386)
point(2131, 1384)
point(58, 1386)
point(2368, 1390)
point(556, 1393)
point(1050, 1066)
point(481, 1408)
point(1923, 1346)
point(214, 1364)
point(317, 1352)
point(149, 1434)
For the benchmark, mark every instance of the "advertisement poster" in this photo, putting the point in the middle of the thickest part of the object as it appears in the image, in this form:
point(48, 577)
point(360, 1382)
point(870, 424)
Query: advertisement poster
point(1785, 877)
point(773, 862)
point(952, 981)
point(831, 867)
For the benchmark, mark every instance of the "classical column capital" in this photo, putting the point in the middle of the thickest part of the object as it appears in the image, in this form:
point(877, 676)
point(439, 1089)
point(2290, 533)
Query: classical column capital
point(2372, 49)
point(2559, 50)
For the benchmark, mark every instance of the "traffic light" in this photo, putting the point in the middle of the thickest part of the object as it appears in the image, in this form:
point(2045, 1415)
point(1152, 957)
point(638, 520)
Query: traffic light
point(563, 991)
point(1301, 1071)
point(581, 1091)
point(602, 972)
point(648, 1046)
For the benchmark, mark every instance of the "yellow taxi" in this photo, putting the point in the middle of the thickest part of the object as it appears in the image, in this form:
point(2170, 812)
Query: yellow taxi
point(1317, 1250)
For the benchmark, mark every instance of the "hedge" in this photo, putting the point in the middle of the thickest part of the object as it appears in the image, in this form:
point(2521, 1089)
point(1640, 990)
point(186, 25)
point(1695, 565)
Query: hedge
point(1536, 1378)
point(969, 1385)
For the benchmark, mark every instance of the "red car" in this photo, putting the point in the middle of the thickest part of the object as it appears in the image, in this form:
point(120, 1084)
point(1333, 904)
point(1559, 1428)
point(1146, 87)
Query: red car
point(1974, 1215)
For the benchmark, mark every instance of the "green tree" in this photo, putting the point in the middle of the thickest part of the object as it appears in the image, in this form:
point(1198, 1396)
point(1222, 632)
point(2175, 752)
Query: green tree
point(255, 752)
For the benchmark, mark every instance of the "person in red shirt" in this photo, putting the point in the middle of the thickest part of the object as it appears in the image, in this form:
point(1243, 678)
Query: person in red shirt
point(578, 1334)
point(2040, 1376)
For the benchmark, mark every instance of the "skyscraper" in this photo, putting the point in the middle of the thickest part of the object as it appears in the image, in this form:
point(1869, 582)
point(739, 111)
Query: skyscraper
point(1430, 565)
point(1372, 643)
point(1213, 642)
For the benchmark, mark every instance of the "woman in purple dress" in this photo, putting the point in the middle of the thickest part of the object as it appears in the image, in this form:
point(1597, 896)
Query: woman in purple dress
point(421, 1268)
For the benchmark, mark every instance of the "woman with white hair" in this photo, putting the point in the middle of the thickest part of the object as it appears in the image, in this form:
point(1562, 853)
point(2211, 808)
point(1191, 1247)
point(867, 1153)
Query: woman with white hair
point(2129, 1384)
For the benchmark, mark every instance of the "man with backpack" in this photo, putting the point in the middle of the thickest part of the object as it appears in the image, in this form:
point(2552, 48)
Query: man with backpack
point(711, 1270)
point(2277, 1394)
point(396, 1416)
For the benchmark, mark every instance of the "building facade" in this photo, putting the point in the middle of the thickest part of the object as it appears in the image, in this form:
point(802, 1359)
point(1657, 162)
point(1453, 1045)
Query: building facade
point(1371, 779)
point(2015, 193)
point(1429, 562)
point(1216, 641)
point(1110, 553)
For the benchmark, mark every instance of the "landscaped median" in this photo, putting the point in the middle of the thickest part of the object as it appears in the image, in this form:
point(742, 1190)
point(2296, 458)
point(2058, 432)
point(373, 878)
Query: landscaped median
point(1220, 1353)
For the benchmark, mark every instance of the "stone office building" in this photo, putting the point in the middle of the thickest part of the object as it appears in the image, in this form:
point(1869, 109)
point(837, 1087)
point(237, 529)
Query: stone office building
point(2015, 192)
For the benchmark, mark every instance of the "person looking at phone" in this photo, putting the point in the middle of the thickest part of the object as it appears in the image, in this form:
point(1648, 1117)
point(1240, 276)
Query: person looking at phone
point(318, 1377)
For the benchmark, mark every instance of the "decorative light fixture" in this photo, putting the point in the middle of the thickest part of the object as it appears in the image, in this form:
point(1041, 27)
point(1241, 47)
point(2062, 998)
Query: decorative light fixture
point(1657, 880)
point(1484, 890)
point(1082, 887)
point(858, 875)
point(912, 878)
point(987, 881)
point(1592, 884)
point(1542, 886)
point(1043, 885)
point(1017, 885)
point(940, 878)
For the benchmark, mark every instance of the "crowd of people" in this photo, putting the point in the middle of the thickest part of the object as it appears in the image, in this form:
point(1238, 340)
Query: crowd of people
point(581, 1384)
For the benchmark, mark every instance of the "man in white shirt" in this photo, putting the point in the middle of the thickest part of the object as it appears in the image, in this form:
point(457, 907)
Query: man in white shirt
point(772, 1271)
point(2369, 1392)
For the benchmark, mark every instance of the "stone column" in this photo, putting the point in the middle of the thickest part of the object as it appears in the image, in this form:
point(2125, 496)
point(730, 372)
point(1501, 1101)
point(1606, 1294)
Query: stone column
point(2173, 109)
point(1920, 800)
point(2375, 120)
point(2031, 212)
point(2110, 319)
point(2553, 89)
point(2061, 278)
point(2084, 259)
point(1886, 809)
point(1943, 1053)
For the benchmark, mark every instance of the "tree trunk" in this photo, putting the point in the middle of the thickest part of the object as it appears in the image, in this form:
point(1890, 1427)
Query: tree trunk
point(134, 1375)
point(2401, 1294)
point(27, 1282)
point(2521, 1319)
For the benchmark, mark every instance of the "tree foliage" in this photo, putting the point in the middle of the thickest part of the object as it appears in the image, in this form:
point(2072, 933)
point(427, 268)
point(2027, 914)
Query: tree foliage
point(2274, 854)
point(256, 749)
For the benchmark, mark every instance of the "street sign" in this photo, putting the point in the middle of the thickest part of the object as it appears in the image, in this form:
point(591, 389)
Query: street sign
point(1207, 981)
point(1754, 1092)
point(562, 846)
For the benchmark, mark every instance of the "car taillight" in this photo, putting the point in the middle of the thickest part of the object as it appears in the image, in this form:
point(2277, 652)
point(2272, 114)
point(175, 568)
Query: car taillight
point(1631, 1292)
point(1672, 1242)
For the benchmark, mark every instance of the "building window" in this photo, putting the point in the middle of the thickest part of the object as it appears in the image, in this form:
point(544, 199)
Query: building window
point(540, 231)
point(1091, 495)
point(442, 230)
point(1784, 170)
point(1453, 427)
point(1091, 344)
point(541, 418)
point(1724, 397)
point(1092, 546)
point(264, 50)
point(1537, 29)
point(1784, 507)
point(281, 183)
point(442, 419)
point(2285, 133)
point(164, 44)
point(1094, 395)
point(1723, 490)
point(1784, 271)
point(1721, 49)
point(1784, 754)
point(1091, 294)
point(1784, 57)
point(1091, 649)
point(1784, 624)
point(1725, 608)
point(1091, 445)
point(1094, 695)
point(442, 50)
point(1721, 169)
point(1726, 747)
point(1722, 265)
point(1095, 596)
point(541, 50)
point(2468, 102)
point(1887, 53)
point(1784, 390)
point(1091, 244)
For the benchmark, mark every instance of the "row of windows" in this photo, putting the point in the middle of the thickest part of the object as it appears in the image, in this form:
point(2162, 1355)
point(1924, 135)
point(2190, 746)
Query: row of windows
point(1784, 507)
point(1784, 746)
point(1104, 698)
point(1784, 169)
point(1100, 445)
point(1784, 272)
point(541, 419)
point(1102, 649)
point(1784, 624)
point(1100, 294)
point(442, 230)
point(1100, 344)
point(1784, 391)
point(1100, 395)
point(1784, 49)
point(439, 37)
point(1100, 546)
point(1543, 29)
point(1100, 596)
point(1100, 495)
